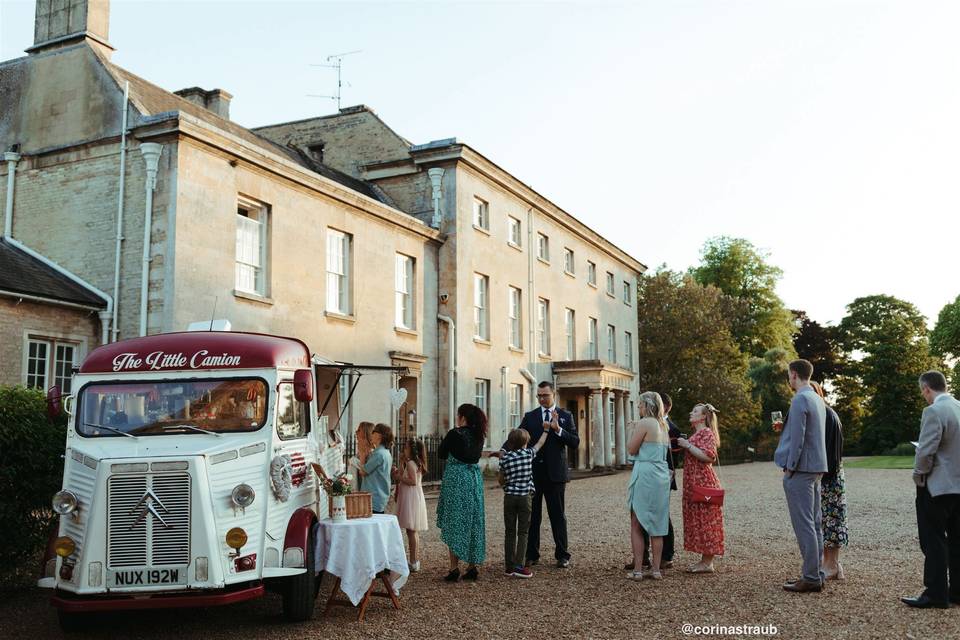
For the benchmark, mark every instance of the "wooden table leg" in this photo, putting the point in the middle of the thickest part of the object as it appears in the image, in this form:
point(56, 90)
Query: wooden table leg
point(390, 591)
point(366, 600)
point(333, 595)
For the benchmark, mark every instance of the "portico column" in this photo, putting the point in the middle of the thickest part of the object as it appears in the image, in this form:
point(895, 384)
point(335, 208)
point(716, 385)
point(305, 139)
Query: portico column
point(607, 431)
point(596, 428)
point(583, 453)
point(621, 428)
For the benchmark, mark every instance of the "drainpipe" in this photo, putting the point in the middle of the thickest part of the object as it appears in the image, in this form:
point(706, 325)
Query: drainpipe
point(505, 411)
point(151, 156)
point(451, 367)
point(436, 175)
point(531, 332)
point(12, 159)
point(123, 173)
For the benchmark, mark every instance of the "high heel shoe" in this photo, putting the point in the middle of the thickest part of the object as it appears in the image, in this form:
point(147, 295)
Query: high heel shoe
point(471, 574)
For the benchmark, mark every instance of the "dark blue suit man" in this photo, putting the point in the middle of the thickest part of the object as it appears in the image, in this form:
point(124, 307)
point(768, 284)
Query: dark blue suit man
point(550, 471)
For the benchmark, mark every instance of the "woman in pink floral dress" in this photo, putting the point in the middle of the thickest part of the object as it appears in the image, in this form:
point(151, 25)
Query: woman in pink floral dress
point(702, 523)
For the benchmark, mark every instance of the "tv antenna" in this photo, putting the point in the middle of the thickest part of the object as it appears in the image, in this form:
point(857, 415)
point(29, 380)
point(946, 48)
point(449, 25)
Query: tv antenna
point(335, 61)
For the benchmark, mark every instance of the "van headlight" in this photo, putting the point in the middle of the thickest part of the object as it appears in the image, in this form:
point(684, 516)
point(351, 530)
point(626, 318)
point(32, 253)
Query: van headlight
point(64, 502)
point(243, 495)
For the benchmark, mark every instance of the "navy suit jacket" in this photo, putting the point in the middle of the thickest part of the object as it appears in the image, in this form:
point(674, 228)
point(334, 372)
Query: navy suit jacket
point(550, 464)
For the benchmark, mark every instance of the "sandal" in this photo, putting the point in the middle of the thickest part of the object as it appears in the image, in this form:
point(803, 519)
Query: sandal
point(453, 576)
point(699, 568)
point(656, 575)
point(636, 575)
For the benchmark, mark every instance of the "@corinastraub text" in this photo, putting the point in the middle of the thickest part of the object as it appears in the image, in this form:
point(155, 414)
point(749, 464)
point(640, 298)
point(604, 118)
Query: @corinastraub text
point(728, 629)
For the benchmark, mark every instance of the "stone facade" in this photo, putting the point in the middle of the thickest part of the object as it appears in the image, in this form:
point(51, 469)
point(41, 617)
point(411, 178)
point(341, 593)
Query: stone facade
point(24, 320)
point(309, 180)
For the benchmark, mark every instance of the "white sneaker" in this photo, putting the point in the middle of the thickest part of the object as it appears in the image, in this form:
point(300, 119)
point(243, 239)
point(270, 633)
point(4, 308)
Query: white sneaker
point(414, 566)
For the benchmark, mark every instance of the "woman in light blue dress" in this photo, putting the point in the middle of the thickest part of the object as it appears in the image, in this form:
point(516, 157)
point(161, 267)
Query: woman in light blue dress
point(648, 494)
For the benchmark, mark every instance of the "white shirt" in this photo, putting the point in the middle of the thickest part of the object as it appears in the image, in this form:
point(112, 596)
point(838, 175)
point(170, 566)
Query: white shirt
point(553, 411)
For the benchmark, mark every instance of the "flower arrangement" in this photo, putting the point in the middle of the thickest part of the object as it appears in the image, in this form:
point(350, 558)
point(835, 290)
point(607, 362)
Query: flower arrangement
point(339, 485)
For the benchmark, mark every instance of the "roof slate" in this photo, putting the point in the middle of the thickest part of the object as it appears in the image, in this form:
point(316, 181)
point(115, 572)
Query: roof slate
point(22, 273)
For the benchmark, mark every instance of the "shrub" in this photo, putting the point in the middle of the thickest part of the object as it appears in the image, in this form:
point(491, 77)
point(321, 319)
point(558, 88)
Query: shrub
point(31, 471)
point(902, 449)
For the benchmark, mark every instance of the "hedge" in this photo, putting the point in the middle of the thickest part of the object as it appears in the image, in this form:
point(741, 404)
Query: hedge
point(31, 471)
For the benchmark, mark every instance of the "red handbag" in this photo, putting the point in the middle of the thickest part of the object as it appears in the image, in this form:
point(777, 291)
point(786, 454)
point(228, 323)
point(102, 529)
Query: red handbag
point(708, 495)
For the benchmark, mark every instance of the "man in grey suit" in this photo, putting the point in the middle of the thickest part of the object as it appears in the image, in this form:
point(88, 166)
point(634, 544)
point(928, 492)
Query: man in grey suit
point(802, 454)
point(936, 472)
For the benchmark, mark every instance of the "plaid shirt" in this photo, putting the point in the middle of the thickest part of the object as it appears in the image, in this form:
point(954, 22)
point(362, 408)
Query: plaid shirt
point(517, 467)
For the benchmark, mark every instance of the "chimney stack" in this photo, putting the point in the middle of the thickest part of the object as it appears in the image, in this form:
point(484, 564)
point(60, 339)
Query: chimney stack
point(215, 100)
point(61, 23)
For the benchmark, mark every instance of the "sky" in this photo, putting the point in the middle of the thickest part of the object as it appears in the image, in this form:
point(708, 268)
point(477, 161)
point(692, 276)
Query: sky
point(825, 132)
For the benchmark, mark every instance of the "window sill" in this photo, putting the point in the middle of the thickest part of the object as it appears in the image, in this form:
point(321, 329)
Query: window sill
point(482, 341)
point(482, 230)
point(545, 356)
point(570, 273)
point(544, 260)
point(253, 297)
point(611, 295)
point(407, 331)
point(515, 246)
point(333, 315)
point(592, 284)
point(517, 349)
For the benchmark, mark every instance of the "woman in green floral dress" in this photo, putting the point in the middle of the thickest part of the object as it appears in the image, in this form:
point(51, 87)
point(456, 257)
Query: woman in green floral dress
point(460, 511)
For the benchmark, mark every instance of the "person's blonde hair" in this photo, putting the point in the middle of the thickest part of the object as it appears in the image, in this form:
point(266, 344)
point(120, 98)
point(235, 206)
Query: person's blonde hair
point(710, 420)
point(653, 406)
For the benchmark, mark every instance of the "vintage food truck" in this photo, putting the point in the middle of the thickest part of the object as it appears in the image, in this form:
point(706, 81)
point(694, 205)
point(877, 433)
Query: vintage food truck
point(187, 477)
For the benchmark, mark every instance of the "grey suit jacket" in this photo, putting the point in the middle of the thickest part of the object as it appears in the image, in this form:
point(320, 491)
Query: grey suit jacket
point(937, 465)
point(803, 439)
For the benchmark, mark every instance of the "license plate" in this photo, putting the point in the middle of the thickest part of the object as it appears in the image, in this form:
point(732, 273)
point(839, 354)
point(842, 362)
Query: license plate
point(146, 577)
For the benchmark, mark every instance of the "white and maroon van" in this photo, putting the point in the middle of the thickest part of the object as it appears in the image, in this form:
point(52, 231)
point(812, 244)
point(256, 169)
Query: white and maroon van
point(187, 477)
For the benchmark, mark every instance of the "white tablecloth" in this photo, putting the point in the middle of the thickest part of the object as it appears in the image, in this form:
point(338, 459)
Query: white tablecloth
point(357, 550)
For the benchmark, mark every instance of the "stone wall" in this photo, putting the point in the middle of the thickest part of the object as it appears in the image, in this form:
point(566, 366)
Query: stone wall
point(20, 319)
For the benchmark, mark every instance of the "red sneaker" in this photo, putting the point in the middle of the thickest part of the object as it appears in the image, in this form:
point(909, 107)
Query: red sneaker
point(522, 572)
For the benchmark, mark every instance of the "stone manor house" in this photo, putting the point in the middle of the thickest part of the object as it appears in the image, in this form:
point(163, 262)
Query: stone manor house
point(130, 209)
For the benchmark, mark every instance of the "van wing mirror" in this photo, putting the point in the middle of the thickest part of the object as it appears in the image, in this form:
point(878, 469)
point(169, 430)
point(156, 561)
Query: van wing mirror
point(303, 385)
point(54, 405)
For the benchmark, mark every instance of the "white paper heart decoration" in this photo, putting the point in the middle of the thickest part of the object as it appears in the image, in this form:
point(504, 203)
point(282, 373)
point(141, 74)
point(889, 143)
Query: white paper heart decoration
point(398, 397)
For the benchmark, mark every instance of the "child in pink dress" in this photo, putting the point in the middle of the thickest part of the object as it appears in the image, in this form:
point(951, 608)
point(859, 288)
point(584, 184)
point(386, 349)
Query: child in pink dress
point(411, 506)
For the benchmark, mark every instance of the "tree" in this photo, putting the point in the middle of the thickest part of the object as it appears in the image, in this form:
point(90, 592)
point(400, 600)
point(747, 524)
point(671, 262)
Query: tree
point(741, 271)
point(945, 339)
point(818, 344)
point(771, 389)
point(687, 349)
point(886, 341)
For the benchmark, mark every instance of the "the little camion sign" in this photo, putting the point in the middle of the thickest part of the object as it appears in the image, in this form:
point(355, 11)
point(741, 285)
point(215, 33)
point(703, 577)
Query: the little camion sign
point(161, 360)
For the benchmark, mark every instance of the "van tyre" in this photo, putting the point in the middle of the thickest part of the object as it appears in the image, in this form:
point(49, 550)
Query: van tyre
point(300, 592)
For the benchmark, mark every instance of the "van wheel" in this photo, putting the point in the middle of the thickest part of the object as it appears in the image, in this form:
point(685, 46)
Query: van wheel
point(300, 591)
point(75, 622)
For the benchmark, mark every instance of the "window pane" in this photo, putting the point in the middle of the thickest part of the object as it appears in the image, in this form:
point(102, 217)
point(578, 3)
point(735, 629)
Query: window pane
point(37, 363)
point(63, 367)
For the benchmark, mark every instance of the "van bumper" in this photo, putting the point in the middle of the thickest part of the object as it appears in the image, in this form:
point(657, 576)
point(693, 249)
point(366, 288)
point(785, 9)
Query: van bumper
point(71, 603)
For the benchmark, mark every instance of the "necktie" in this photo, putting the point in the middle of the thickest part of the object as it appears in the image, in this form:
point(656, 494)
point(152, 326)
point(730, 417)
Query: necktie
point(546, 416)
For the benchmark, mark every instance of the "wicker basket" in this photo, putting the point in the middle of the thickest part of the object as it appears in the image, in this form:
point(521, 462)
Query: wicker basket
point(359, 504)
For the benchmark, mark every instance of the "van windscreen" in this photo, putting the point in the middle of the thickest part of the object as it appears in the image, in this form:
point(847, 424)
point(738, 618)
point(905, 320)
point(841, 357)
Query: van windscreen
point(172, 407)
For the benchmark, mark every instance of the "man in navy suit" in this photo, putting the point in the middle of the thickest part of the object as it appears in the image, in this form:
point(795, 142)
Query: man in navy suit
point(550, 471)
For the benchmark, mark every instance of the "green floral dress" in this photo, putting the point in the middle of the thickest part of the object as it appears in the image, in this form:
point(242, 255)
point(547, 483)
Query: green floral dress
point(460, 510)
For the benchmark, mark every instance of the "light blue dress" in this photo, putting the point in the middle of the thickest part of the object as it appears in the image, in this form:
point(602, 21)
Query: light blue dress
point(648, 494)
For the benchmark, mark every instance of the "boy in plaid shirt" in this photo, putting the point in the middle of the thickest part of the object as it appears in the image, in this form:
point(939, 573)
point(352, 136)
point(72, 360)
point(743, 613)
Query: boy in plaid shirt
point(516, 477)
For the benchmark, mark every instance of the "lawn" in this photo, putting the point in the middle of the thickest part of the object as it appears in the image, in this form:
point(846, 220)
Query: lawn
point(880, 462)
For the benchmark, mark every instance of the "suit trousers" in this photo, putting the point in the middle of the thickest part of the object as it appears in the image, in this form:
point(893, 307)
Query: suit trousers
point(553, 493)
point(938, 524)
point(802, 491)
point(516, 525)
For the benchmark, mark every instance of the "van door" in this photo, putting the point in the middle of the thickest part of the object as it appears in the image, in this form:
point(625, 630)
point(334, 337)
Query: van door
point(293, 426)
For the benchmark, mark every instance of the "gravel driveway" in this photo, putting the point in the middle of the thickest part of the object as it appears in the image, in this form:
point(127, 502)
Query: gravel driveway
point(593, 598)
